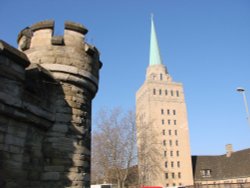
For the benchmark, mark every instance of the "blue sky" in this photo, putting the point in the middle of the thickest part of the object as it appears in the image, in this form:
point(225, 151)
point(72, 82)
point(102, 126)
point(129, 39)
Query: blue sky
point(205, 44)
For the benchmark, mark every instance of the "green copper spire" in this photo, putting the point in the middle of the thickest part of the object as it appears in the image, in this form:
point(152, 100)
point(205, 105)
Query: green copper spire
point(154, 56)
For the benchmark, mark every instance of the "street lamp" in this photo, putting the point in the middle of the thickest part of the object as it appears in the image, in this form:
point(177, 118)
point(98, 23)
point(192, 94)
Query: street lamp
point(242, 90)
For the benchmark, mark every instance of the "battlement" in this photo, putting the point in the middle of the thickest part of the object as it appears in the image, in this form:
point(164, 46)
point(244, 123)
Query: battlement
point(42, 34)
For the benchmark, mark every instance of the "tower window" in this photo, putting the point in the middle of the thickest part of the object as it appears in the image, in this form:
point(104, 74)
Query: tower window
point(159, 91)
point(176, 143)
point(166, 164)
point(174, 122)
point(177, 93)
point(170, 142)
point(174, 112)
point(172, 93)
point(169, 132)
point(168, 112)
point(161, 76)
point(166, 92)
point(154, 92)
point(162, 121)
point(162, 111)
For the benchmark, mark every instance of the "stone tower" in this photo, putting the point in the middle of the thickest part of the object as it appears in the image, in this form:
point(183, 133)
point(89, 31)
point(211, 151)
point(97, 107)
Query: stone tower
point(75, 65)
point(45, 114)
point(162, 126)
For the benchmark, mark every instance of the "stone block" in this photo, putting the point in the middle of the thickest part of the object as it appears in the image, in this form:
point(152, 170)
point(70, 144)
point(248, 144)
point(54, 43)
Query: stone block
point(17, 131)
point(15, 149)
point(54, 168)
point(60, 127)
point(14, 140)
point(50, 176)
point(60, 117)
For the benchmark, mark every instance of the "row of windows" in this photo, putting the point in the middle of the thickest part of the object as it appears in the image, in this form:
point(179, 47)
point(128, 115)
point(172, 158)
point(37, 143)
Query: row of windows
point(168, 112)
point(170, 132)
point(171, 153)
point(166, 92)
point(170, 143)
point(169, 122)
point(172, 175)
point(174, 184)
point(172, 164)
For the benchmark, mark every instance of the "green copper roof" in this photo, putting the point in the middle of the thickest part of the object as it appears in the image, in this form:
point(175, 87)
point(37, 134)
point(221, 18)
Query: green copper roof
point(154, 56)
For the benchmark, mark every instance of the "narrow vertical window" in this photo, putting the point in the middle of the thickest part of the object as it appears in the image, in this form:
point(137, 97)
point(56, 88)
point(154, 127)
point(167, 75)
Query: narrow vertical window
point(172, 93)
point(168, 112)
point(173, 177)
point(175, 132)
point(174, 112)
point(163, 132)
point(162, 111)
point(172, 164)
point(154, 91)
point(162, 121)
point(166, 175)
point(166, 92)
point(177, 143)
point(159, 91)
point(165, 153)
point(174, 122)
point(166, 164)
point(171, 153)
point(169, 121)
point(169, 132)
point(164, 142)
point(170, 142)
point(161, 76)
point(178, 164)
point(177, 93)
point(177, 153)
point(179, 175)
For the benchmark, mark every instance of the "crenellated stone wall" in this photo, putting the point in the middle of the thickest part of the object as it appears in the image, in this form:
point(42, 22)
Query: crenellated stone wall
point(46, 90)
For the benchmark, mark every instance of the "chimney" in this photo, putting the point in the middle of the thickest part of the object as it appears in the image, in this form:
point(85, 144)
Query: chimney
point(229, 150)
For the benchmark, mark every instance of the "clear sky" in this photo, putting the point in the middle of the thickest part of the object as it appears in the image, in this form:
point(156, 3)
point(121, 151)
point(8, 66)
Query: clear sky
point(205, 44)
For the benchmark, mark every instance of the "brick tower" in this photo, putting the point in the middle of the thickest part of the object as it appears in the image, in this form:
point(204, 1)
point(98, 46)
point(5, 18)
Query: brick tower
point(162, 126)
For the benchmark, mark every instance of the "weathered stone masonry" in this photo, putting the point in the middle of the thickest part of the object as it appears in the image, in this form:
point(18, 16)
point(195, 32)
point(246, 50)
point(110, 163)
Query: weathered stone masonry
point(46, 89)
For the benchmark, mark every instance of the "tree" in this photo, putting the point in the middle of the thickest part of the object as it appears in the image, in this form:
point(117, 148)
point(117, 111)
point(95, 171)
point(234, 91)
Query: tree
point(114, 146)
point(148, 152)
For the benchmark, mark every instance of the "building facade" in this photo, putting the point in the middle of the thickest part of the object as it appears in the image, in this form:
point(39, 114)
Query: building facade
point(162, 126)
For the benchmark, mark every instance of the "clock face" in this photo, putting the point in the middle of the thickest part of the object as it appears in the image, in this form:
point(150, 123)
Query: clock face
point(153, 76)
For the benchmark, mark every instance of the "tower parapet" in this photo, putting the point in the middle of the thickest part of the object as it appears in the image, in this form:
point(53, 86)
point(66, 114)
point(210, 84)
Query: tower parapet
point(62, 54)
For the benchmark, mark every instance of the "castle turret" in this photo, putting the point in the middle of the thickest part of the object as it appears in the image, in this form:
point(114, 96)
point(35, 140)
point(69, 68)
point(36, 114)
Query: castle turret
point(75, 65)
